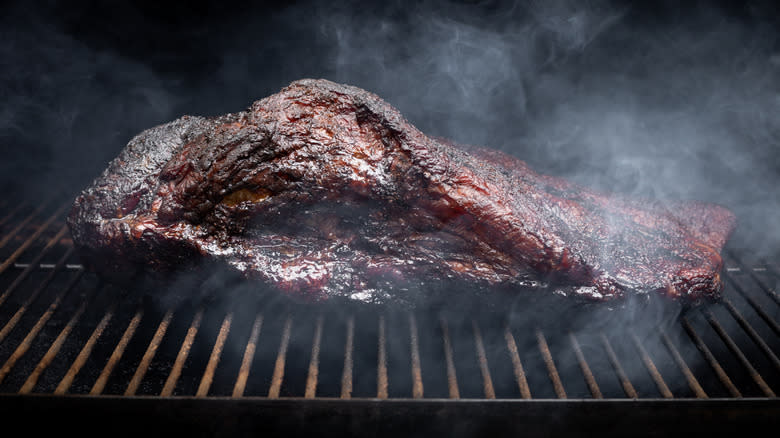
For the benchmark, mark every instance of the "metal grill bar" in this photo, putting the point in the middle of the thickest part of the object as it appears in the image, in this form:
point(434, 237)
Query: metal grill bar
point(11, 234)
point(693, 383)
point(738, 353)
point(751, 273)
point(216, 353)
point(81, 359)
point(487, 381)
point(741, 299)
point(590, 380)
point(281, 357)
point(249, 355)
point(26, 343)
point(314, 363)
point(550, 364)
point(29, 241)
point(23, 275)
point(766, 288)
point(116, 355)
point(55, 347)
point(752, 333)
point(774, 272)
point(756, 306)
point(32, 297)
point(417, 383)
point(45, 266)
point(13, 212)
point(181, 357)
point(628, 388)
point(719, 371)
point(452, 378)
point(151, 351)
point(517, 365)
point(346, 377)
point(381, 369)
point(651, 368)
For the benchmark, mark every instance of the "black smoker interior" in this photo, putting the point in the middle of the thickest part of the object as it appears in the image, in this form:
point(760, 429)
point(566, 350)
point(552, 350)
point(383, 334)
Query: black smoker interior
point(665, 101)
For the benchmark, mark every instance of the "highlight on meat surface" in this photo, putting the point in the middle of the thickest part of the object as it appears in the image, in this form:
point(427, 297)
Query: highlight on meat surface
point(326, 190)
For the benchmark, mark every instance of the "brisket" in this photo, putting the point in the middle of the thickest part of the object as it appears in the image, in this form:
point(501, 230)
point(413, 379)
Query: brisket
point(326, 190)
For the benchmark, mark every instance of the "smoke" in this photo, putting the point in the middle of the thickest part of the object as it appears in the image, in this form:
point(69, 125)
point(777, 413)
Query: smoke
point(609, 96)
point(67, 108)
point(670, 103)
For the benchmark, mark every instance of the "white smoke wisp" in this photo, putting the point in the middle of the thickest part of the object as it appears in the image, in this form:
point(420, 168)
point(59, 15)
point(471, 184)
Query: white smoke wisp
point(589, 91)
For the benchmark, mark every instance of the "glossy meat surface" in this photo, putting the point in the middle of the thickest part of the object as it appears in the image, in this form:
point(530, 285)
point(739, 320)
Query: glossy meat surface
point(326, 190)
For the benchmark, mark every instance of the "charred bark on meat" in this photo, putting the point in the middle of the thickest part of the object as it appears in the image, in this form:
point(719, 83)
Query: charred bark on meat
point(325, 190)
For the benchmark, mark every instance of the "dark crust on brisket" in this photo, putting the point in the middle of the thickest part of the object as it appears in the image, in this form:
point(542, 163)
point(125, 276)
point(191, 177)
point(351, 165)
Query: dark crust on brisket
point(325, 189)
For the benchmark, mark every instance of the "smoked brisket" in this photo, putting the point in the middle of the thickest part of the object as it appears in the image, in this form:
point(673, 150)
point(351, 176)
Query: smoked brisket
point(326, 190)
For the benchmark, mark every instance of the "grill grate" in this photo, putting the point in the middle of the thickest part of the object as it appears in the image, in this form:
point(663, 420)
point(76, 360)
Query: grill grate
point(63, 331)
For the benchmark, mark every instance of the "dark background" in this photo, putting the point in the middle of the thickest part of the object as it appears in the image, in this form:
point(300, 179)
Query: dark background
point(657, 99)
